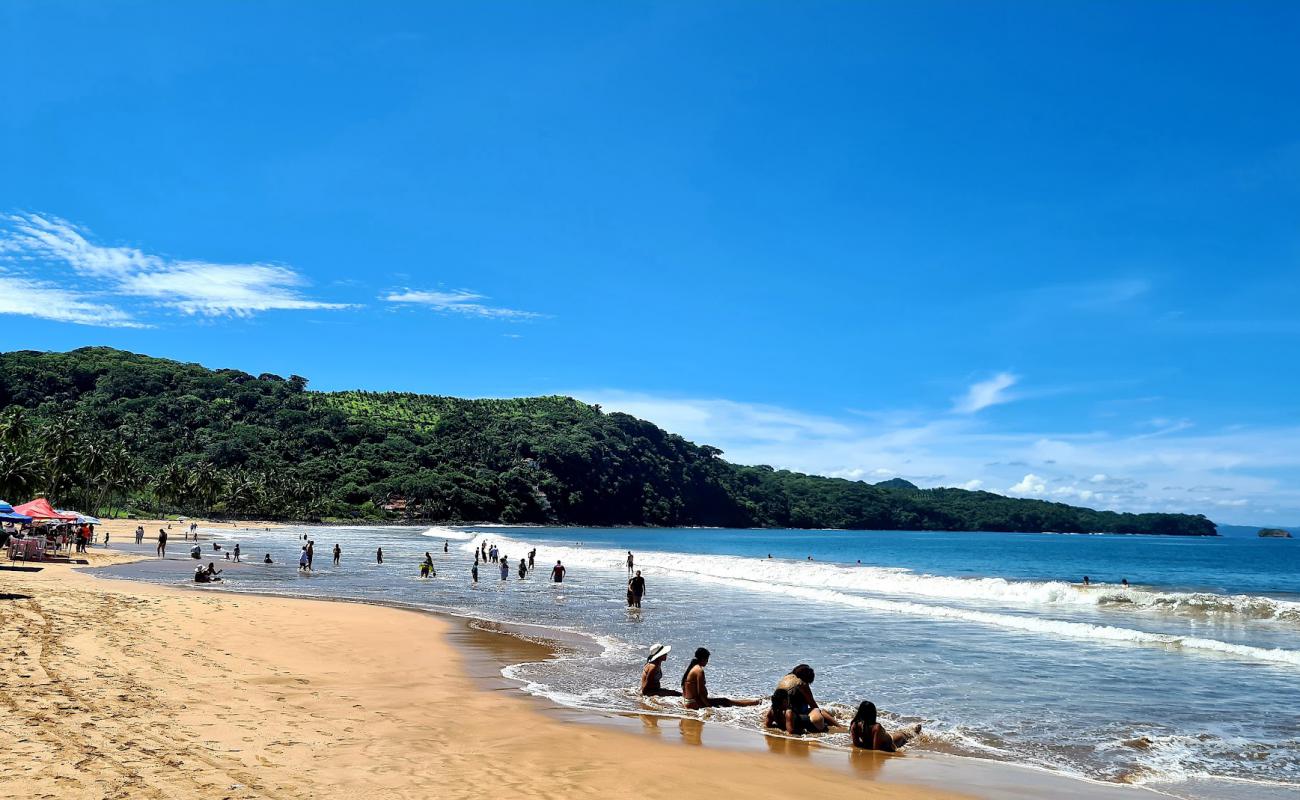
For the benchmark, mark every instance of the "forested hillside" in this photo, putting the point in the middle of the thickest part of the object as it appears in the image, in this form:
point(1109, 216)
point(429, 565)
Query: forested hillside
point(102, 429)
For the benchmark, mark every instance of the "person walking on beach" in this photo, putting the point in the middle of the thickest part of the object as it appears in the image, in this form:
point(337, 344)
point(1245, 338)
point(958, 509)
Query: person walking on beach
point(652, 674)
point(557, 572)
point(106, 538)
point(869, 734)
point(236, 551)
point(695, 690)
point(474, 572)
point(629, 562)
point(505, 568)
point(139, 534)
point(523, 569)
point(636, 590)
point(338, 551)
point(379, 555)
point(532, 554)
point(162, 542)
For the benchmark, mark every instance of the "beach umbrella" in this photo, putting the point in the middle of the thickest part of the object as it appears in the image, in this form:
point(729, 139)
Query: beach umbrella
point(7, 514)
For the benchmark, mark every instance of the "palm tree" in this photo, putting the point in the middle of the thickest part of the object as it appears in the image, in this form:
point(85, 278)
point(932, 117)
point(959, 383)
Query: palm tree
point(20, 473)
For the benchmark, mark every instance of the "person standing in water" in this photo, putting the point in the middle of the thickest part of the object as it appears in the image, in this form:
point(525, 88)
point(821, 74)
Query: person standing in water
point(162, 543)
point(311, 553)
point(695, 690)
point(532, 554)
point(557, 572)
point(236, 551)
point(653, 673)
point(444, 546)
point(379, 555)
point(629, 562)
point(523, 569)
point(303, 564)
point(338, 553)
point(869, 734)
point(505, 567)
point(636, 590)
point(474, 572)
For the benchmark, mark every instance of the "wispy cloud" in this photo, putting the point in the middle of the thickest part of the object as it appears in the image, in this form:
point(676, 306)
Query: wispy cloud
point(458, 301)
point(42, 300)
point(987, 393)
point(47, 244)
point(1232, 475)
point(214, 289)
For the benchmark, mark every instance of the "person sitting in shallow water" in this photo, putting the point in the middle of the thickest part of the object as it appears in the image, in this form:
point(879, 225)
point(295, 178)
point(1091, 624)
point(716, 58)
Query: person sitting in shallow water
point(653, 673)
point(869, 734)
point(799, 686)
point(695, 690)
point(267, 560)
point(783, 716)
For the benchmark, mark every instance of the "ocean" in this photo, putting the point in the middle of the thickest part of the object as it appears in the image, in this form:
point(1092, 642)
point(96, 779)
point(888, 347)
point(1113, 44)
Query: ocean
point(1187, 681)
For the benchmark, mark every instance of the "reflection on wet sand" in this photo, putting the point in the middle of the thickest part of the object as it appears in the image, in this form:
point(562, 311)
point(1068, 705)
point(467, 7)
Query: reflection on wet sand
point(867, 762)
point(784, 745)
point(692, 731)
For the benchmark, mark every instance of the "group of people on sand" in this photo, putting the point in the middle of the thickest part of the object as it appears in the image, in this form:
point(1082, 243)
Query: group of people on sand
point(793, 709)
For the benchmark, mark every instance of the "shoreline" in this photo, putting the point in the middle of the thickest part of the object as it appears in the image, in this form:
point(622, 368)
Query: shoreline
point(493, 647)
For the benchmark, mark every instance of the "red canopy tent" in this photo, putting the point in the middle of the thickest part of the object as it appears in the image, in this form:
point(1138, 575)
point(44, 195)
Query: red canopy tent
point(40, 508)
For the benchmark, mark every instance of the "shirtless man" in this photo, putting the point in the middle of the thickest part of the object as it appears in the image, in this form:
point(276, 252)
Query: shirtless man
point(653, 673)
point(696, 692)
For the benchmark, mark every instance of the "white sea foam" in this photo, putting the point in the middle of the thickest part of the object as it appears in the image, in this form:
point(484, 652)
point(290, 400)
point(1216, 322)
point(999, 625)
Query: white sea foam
point(823, 582)
point(905, 583)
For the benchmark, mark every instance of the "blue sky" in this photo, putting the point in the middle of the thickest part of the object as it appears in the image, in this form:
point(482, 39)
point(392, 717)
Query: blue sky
point(1044, 249)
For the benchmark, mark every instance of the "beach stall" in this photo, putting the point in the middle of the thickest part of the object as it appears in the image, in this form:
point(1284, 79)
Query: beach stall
point(50, 521)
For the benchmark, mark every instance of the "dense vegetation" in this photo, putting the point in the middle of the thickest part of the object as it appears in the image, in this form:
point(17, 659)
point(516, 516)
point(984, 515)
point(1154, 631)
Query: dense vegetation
point(101, 429)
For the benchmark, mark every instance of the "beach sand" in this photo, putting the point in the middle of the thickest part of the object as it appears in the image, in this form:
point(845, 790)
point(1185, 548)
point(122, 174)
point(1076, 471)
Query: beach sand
point(113, 689)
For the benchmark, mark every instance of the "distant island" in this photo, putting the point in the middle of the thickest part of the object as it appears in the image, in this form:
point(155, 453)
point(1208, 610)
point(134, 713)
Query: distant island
point(105, 430)
point(1274, 533)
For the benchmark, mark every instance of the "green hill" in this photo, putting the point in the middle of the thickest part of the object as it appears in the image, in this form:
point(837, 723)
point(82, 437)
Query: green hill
point(98, 429)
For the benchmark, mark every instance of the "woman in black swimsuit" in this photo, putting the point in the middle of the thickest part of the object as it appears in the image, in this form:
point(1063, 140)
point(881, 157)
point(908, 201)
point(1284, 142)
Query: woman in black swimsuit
point(869, 734)
point(783, 717)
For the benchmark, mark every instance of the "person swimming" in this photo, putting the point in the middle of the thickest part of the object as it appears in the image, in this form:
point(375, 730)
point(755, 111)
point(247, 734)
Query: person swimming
point(652, 674)
point(267, 560)
point(782, 716)
point(869, 734)
point(695, 690)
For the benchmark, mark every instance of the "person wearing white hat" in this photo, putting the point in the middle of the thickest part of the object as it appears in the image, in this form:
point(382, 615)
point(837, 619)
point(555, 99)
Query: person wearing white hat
point(653, 673)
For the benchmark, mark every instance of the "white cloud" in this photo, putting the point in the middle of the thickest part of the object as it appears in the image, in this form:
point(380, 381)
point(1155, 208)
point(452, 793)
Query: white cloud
point(987, 393)
point(459, 301)
point(1031, 485)
point(31, 298)
point(51, 238)
point(972, 485)
point(214, 289)
point(46, 243)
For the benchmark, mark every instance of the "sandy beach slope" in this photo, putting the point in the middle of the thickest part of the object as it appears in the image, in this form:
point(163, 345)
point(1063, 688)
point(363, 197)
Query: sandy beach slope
point(113, 689)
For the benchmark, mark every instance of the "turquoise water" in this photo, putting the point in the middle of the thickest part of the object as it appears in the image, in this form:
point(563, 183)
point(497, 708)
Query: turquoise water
point(1185, 681)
